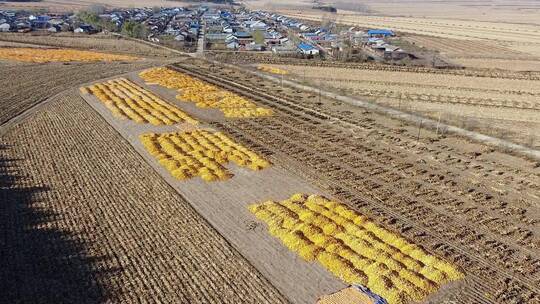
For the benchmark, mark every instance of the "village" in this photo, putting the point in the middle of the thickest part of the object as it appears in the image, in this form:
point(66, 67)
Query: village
point(221, 30)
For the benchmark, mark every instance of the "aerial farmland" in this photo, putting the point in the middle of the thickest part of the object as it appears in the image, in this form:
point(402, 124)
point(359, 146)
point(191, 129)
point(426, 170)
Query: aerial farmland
point(269, 153)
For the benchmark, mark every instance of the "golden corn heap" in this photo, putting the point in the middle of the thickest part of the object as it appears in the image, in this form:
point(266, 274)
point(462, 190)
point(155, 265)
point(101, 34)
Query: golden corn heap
point(272, 70)
point(354, 248)
point(200, 153)
point(127, 100)
point(58, 55)
point(204, 95)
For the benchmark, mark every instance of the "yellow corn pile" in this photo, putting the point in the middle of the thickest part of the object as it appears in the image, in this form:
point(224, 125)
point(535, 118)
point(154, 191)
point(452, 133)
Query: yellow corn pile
point(58, 55)
point(204, 95)
point(127, 100)
point(354, 248)
point(272, 70)
point(200, 153)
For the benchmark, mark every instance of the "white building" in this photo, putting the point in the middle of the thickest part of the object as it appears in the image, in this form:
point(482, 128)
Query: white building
point(4, 27)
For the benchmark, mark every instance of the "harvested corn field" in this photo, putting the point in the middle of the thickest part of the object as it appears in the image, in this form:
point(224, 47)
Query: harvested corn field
point(39, 55)
point(200, 153)
point(84, 219)
point(204, 95)
point(500, 107)
point(512, 33)
point(354, 248)
point(163, 210)
point(470, 204)
point(30, 84)
point(126, 100)
point(101, 42)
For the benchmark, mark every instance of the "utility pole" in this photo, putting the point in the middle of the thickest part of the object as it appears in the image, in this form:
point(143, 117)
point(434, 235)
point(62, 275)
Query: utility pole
point(320, 83)
point(419, 128)
point(438, 124)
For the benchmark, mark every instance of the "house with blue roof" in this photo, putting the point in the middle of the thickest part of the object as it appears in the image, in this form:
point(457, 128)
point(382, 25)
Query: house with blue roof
point(380, 33)
point(307, 49)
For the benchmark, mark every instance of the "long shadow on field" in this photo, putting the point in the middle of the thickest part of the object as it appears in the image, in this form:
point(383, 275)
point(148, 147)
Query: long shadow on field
point(38, 262)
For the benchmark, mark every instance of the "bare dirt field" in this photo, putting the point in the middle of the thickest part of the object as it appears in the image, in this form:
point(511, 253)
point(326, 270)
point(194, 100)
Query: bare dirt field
point(495, 63)
point(466, 202)
point(85, 219)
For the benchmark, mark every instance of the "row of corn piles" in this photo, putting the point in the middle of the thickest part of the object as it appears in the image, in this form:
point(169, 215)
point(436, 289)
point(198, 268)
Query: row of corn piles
point(200, 153)
point(272, 70)
point(127, 100)
point(354, 248)
point(204, 95)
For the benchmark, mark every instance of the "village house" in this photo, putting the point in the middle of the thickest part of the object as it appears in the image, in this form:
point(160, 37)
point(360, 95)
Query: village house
point(307, 49)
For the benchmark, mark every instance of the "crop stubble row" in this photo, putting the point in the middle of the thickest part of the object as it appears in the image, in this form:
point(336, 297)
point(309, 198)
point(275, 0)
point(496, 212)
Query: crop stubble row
point(443, 152)
point(139, 240)
point(525, 100)
point(447, 224)
point(499, 107)
point(263, 59)
point(30, 84)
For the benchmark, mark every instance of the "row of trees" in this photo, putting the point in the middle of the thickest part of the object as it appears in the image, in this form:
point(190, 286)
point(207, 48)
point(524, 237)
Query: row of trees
point(129, 28)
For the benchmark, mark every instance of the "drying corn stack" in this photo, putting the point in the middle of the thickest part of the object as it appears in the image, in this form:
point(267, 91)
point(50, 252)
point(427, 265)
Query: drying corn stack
point(200, 153)
point(354, 248)
point(272, 70)
point(204, 95)
point(127, 100)
point(58, 55)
